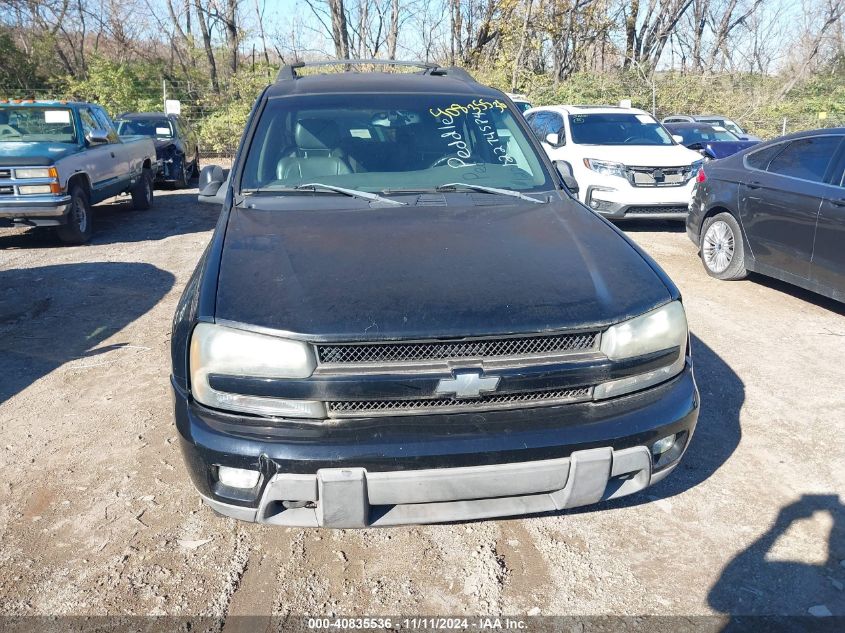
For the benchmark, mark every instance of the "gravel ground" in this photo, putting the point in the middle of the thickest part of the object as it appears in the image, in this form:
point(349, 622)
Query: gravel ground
point(98, 515)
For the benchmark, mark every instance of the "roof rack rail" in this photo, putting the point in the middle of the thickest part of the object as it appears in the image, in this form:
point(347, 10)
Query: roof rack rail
point(288, 71)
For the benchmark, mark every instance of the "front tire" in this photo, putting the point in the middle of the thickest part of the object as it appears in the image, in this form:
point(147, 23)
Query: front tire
point(80, 226)
point(722, 249)
point(142, 192)
point(184, 174)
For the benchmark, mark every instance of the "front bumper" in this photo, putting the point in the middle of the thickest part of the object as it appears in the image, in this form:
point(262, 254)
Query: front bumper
point(34, 209)
point(640, 203)
point(426, 469)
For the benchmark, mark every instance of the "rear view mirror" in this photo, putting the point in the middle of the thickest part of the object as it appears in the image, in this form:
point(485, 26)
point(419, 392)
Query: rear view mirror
point(565, 171)
point(210, 184)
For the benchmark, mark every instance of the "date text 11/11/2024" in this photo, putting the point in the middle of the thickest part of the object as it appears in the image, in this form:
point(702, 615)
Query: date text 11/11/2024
point(417, 623)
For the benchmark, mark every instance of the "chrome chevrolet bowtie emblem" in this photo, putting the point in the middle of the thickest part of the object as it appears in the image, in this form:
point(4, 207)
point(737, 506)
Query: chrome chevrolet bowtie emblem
point(467, 385)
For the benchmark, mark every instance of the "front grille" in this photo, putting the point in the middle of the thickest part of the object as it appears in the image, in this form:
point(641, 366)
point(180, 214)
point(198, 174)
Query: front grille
point(658, 176)
point(364, 408)
point(656, 209)
point(7, 190)
point(358, 353)
point(5, 173)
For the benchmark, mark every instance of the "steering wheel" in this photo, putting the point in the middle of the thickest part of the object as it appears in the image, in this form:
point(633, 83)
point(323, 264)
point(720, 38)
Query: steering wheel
point(8, 130)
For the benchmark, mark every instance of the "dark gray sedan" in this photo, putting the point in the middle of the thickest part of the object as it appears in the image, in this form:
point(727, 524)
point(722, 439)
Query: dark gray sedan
point(776, 209)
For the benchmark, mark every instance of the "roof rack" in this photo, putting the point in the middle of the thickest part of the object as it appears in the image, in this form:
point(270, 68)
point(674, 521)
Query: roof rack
point(288, 72)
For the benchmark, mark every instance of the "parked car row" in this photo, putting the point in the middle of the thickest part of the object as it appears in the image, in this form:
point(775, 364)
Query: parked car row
point(777, 208)
point(59, 158)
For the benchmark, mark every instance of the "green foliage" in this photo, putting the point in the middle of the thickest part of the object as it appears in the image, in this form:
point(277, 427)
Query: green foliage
point(118, 87)
point(16, 68)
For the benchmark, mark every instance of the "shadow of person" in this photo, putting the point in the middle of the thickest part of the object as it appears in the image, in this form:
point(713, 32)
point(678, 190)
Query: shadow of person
point(50, 315)
point(754, 585)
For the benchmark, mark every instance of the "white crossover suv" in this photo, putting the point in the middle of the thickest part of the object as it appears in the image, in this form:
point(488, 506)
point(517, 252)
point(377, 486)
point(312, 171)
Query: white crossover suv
point(625, 163)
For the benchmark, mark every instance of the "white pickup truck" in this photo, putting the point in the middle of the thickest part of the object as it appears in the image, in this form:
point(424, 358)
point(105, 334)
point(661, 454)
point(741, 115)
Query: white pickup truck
point(57, 159)
point(625, 163)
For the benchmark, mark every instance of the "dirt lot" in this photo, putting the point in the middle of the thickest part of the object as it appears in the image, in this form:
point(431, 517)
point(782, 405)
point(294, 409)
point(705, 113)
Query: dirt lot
point(98, 516)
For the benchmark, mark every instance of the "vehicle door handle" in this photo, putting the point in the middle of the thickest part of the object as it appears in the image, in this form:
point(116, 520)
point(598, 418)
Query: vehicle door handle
point(754, 184)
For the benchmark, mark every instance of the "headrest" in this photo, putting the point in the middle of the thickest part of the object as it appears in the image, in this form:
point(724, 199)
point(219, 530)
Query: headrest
point(317, 134)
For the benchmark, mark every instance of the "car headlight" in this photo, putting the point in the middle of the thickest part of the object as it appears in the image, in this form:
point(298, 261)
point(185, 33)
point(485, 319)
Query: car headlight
point(36, 172)
point(219, 350)
point(662, 329)
point(604, 167)
point(28, 190)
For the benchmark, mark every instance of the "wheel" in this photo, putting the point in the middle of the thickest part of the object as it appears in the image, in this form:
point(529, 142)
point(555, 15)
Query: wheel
point(722, 250)
point(183, 174)
point(142, 192)
point(79, 226)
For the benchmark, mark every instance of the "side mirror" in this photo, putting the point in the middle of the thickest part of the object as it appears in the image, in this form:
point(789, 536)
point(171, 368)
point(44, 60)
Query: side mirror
point(97, 137)
point(565, 171)
point(553, 139)
point(678, 139)
point(210, 185)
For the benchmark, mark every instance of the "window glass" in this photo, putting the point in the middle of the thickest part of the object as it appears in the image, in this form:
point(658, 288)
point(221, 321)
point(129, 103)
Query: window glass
point(617, 129)
point(33, 124)
point(806, 158)
point(539, 123)
point(760, 159)
point(396, 142)
point(159, 128)
point(104, 122)
point(89, 123)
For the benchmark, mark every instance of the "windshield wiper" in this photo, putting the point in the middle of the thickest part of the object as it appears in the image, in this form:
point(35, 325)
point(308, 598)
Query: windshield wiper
point(454, 186)
point(353, 193)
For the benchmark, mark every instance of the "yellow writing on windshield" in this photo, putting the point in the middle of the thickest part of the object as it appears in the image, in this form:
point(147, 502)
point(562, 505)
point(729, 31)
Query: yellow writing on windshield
point(476, 105)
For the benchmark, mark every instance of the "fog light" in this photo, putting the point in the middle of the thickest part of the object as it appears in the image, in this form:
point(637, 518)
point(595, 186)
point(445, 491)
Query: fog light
point(237, 477)
point(661, 446)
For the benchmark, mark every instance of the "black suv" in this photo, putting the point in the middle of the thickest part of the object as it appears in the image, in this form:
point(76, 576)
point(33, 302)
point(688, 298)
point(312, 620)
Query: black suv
point(403, 316)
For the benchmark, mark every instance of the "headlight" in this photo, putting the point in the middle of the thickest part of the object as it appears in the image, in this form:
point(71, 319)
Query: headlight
point(25, 190)
point(661, 329)
point(36, 172)
point(216, 349)
point(605, 168)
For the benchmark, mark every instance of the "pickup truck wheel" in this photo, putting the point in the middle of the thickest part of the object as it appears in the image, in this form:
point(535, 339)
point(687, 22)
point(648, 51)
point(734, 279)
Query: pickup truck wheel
point(722, 250)
point(79, 226)
point(142, 192)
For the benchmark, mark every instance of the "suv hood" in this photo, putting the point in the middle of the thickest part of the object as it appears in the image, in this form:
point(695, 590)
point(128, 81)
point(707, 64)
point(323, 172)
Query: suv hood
point(641, 155)
point(427, 272)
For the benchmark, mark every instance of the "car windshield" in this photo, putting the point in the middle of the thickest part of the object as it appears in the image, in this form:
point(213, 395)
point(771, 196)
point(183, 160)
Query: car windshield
point(617, 129)
point(390, 143)
point(35, 124)
point(725, 123)
point(159, 128)
point(704, 134)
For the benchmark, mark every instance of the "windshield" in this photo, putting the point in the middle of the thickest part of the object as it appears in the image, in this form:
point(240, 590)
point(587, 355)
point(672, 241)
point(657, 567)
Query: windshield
point(725, 123)
point(159, 128)
point(617, 129)
point(31, 124)
point(522, 106)
point(704, 134)
point(384, 143)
